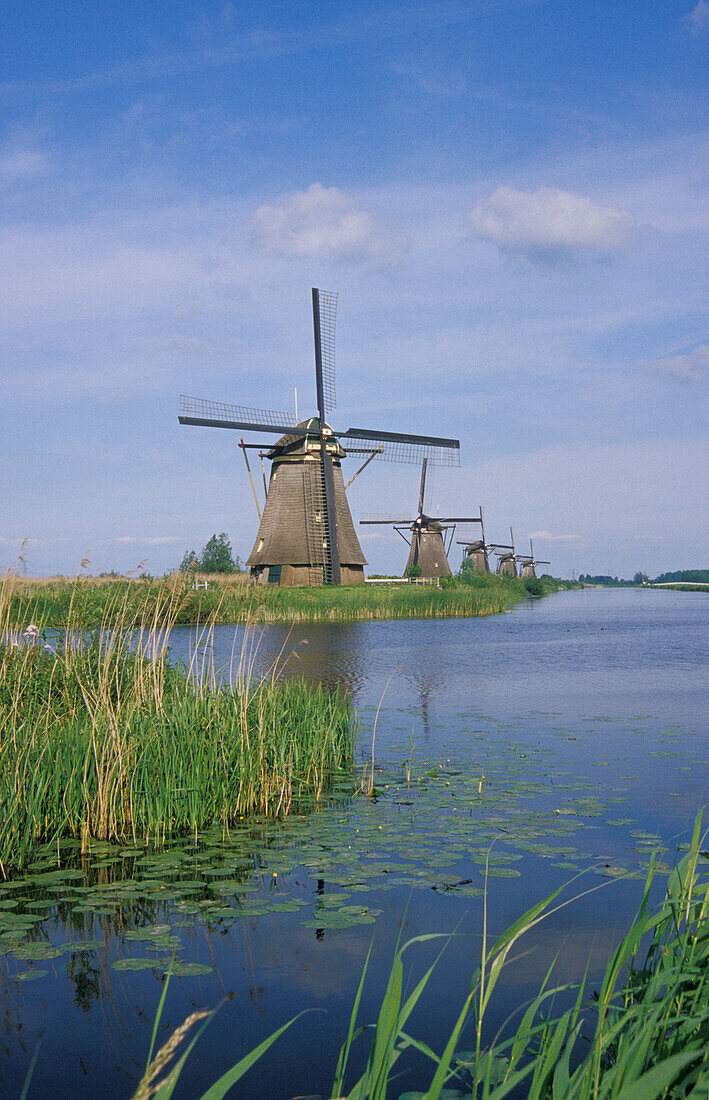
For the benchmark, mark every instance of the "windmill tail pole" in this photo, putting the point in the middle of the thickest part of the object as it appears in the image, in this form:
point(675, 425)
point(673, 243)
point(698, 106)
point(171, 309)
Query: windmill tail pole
point(364, 465)
point(248, 467)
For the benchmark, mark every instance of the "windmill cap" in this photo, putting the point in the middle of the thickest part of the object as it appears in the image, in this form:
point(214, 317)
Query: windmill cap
point(307, 429)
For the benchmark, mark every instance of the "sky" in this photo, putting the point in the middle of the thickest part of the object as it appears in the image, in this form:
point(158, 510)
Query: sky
point(508, 196)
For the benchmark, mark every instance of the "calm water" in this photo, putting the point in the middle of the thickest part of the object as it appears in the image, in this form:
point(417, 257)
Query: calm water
point(569, 733)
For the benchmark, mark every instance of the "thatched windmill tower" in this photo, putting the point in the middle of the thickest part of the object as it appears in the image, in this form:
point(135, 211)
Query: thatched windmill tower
point(528, 563)
point(306, 534)
point(428, 551)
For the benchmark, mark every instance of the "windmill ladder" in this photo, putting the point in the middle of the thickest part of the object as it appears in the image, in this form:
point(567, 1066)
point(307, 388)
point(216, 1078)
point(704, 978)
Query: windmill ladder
point(316, 529)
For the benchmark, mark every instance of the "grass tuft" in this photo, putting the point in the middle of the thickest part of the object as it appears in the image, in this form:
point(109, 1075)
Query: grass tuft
point(104, 739)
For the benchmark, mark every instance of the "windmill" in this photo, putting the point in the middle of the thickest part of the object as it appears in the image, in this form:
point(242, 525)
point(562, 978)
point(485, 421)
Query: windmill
point(306, 534)
point(528, 563)
point(506, 558)
point(476, 554)
point(428, 551)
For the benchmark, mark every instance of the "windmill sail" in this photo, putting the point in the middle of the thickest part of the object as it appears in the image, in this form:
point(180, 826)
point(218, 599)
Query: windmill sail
point(398, 447)
point(324, 318)
point(325, 387)
point(215, 414)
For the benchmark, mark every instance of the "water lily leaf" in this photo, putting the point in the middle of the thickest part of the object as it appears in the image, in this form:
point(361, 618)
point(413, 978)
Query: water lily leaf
point(189, 969)
point(29, 975)
point(38, 951)
point(134, 963)
point(151, 932)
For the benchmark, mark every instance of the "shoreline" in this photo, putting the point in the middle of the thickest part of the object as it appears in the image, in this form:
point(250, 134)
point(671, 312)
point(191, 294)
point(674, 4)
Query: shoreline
point(99, 602)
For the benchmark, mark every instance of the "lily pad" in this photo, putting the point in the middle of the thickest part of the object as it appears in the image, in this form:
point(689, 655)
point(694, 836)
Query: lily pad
point(134, 963)
point(189, 969)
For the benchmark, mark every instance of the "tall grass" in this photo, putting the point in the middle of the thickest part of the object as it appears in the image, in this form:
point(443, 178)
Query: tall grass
point(104, 739)
point(643, 1034)
point(227, 601)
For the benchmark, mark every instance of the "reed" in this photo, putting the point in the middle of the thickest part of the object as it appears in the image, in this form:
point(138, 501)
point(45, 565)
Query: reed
point(230, 600)
point(104, 739)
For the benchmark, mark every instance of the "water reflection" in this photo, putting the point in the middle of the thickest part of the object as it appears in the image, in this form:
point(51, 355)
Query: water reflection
point(330, 654)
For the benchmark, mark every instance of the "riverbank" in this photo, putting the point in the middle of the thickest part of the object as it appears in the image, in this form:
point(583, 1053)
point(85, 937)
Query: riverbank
point(48, 602)
point(104, 739)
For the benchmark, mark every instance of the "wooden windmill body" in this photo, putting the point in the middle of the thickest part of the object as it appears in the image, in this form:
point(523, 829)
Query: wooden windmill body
point(506, 558)
point(528, 563)
point(428, 553)
point(306, 535)
point(291, 544)
point(476, 553)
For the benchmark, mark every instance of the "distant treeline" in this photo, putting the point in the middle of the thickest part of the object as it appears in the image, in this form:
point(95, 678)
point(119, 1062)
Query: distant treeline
point(696, 576)
point(603, 578)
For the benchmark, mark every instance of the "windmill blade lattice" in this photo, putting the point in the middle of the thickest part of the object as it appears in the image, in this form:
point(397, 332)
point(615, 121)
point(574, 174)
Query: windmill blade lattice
point(328, 317)
point(396, 521)
point(217, 414)
point(403, 448)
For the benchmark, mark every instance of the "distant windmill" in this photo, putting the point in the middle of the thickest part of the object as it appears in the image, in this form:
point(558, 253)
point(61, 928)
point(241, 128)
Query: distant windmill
point(428, 551)
point(476, 554)
point(306, 534)
point(507, 559)
point(528, 563)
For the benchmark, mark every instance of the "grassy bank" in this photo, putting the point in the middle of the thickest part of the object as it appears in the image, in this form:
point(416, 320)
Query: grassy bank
point(104, 739)
point(642, 1033)
point(91, 601)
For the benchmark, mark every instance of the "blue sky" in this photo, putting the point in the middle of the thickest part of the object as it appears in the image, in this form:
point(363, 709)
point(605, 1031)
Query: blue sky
point(510, 197)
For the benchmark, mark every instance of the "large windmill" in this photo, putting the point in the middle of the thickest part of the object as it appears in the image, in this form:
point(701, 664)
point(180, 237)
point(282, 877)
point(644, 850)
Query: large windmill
point(476, 554)
point(528, 563)
point(306, 534)
point(425, 534)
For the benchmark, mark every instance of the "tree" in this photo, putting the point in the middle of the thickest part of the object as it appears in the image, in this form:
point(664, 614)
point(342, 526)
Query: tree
point(188, 562)
point(216, 557)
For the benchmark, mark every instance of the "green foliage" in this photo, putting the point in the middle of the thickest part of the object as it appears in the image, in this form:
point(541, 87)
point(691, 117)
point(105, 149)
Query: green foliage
point(105, 739)
point(533, 586)
point(92, 602)
point(414, 571)
point(698, 576)
point(189, 562)
point(604, 580)
point(216, 557)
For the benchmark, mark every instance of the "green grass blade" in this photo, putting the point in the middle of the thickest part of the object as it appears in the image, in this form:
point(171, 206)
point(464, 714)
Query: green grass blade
point(220, 1088)
point(341, 1068)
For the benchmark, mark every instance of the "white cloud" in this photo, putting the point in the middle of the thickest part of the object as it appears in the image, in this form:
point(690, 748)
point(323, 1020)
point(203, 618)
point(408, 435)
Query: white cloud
point(692, 366)
point(549, 223)
point(547, 536)
point(321, 222)
point(17, 163)
point(699, 15)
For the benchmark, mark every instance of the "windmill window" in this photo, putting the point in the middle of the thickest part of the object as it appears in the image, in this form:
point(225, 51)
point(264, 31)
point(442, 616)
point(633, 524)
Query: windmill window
point(318, 517)
point(324, 542)
point(260, 545)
